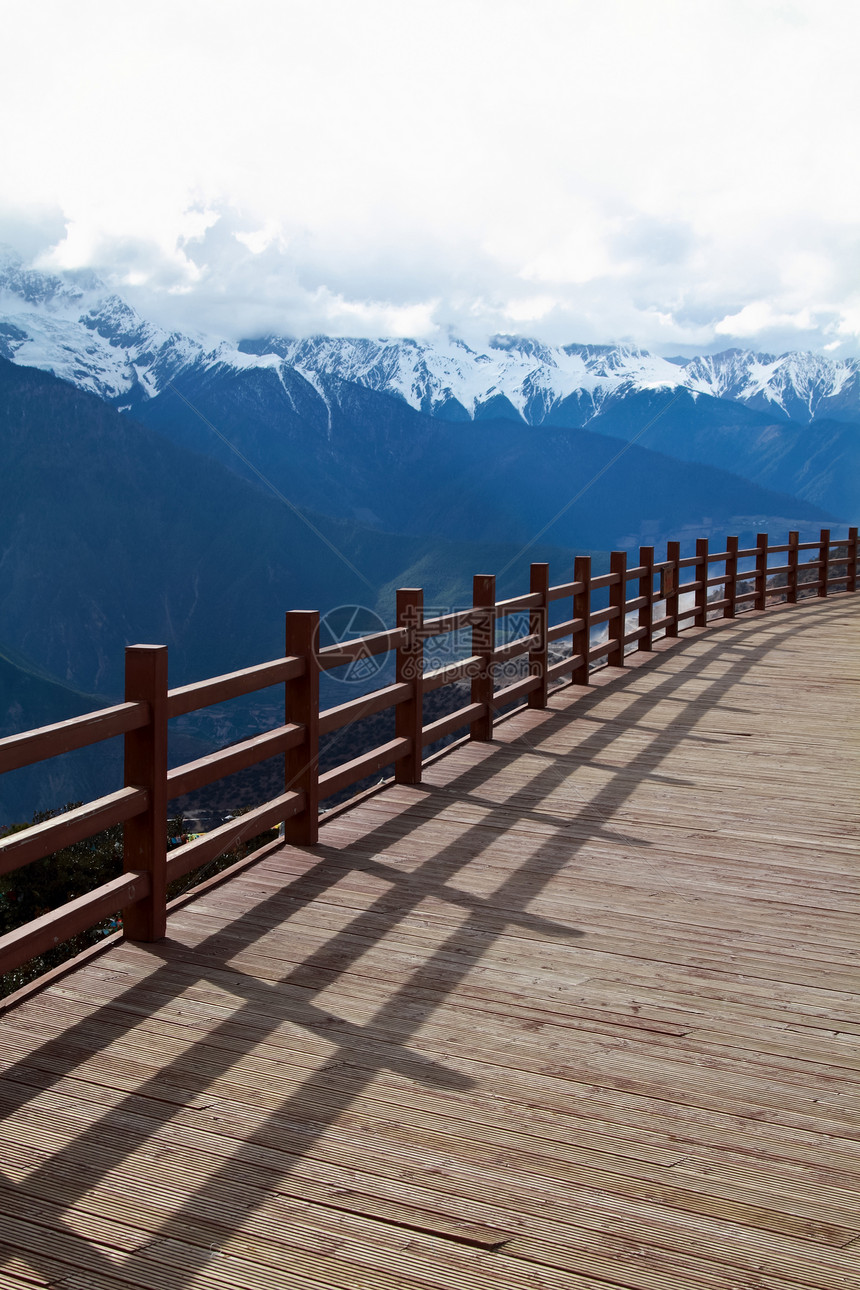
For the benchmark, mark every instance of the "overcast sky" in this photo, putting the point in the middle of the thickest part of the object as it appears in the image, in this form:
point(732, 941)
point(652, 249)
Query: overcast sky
point(682, 174)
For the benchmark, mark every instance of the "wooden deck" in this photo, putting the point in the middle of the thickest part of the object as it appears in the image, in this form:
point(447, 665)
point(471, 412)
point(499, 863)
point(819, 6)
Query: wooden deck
point(579, 1011)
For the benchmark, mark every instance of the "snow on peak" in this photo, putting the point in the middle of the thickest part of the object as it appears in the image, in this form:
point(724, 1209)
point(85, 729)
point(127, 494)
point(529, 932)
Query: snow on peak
point(431, 376)
point(73, 325)
point(799, 385)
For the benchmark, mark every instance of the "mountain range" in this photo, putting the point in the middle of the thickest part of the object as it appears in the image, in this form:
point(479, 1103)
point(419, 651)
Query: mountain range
point(787, 423)
point(75, 327)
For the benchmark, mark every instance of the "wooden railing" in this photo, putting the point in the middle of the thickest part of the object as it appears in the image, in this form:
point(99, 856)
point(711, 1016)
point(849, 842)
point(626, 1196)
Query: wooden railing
point(746, 579)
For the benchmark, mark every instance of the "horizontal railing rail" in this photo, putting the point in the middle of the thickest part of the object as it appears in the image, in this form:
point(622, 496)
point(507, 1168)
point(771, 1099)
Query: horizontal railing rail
point(233, 685)
point(34, 746)
point(642, 602)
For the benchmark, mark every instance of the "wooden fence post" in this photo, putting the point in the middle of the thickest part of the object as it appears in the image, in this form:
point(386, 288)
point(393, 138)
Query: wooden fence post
point(646, 588)
point(730, 586)
point(145, 836)
point(791, 579)
point(669, 587)
point(302, 705)
point(581, 639)
point(824, 557)
point(409, 715)
point(702, 573)
point(760, 601)
point(851, 558)
point(483, 644)
point(618, 600)
point(538, 623)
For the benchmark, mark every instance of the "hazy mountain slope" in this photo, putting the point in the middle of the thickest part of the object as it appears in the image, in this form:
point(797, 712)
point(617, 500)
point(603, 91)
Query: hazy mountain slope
point(360, 454)
point(818, 462)
point(111, 534)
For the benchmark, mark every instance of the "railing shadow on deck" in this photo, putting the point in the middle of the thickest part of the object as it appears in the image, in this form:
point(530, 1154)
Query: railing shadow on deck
point(264, 1159)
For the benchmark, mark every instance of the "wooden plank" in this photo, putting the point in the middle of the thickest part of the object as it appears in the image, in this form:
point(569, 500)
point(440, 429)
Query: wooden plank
point(646, 1112)
point(644, 1223)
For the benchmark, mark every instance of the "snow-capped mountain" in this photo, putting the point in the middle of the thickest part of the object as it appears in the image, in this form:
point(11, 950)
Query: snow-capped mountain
point(801, 385)
point(540, 381)
point(446, 378)
point(73, 326)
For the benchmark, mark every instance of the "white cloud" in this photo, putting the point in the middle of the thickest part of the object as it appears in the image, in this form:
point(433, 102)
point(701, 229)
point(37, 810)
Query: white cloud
point(760, 317)
point(594, 172)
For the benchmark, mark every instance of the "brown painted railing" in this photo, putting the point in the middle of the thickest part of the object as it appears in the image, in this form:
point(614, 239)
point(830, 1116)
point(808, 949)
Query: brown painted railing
point(746, 579)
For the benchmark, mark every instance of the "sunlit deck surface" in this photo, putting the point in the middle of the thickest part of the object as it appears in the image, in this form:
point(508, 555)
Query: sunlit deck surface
point(580, 1010)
